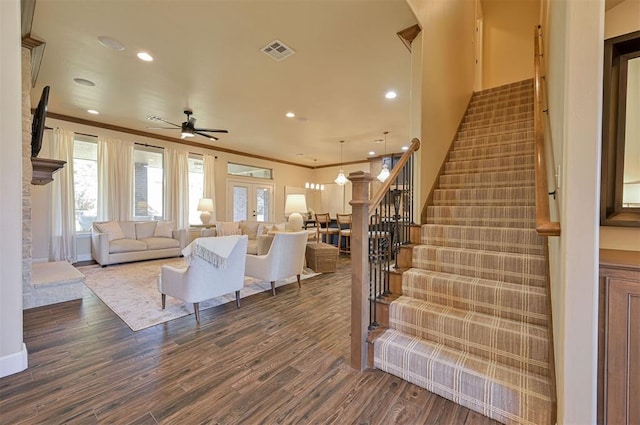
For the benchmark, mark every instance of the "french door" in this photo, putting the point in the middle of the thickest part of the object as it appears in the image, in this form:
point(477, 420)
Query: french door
point(249, 201)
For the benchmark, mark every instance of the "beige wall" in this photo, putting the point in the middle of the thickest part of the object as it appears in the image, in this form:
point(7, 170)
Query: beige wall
point(447, 79)
point(13, 353)
point(575, 32)
point(508, 40)
point(622, 19)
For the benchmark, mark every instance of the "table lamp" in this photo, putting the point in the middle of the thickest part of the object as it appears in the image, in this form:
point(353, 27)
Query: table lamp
point(295, 204)
point(206, 206)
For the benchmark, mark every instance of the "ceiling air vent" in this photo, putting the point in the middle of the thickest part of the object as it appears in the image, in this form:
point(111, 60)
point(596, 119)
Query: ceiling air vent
point(278, 50)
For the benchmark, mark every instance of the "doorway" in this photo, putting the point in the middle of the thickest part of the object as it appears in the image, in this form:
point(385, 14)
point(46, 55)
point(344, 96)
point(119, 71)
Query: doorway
point(249, 201)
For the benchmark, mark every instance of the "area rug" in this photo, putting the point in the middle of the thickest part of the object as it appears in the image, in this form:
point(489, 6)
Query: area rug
point(131, 291)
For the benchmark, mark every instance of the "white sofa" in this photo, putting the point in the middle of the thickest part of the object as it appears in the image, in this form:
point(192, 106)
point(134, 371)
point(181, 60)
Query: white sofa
point(124, 241)
point(260, 234)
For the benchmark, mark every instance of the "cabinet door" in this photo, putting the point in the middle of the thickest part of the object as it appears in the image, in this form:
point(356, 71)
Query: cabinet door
point(623, 352)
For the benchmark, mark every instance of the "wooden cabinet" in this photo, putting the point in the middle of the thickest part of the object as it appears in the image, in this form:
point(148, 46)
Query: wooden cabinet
point(619, 338)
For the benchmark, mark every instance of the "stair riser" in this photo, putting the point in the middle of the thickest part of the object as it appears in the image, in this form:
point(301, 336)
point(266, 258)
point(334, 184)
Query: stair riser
point(514, 302)
point(493, 107)
point(479, 123)
point(503, 139)
point(526, 148)
point(482, 216)
point(524, 346)
point(484, 387)
point(518, 241)
point(515, 268)
point(478, 180)
point(485, 196)
point(497, 129)
point(497, 113)
point(522, 162)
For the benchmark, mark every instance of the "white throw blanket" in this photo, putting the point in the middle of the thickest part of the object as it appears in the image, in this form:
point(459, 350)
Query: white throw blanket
point(214, 250)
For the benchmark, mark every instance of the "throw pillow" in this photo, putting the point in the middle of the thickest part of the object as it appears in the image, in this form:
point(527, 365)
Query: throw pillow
point(227, 228)
point(145, 229)
point(250, 228)
point(164, 229)
point(111, 228)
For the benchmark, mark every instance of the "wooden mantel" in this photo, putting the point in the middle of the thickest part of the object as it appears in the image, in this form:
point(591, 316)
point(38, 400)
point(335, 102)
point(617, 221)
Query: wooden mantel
point(43, 170)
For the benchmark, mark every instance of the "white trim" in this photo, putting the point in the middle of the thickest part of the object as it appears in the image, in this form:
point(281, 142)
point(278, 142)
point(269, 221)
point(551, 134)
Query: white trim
point(84, 257)
point(14, 363)
point(40, 260)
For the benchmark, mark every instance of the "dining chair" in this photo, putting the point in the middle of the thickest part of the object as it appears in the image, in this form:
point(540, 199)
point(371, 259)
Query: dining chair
point(344, 227)
point(323, 222)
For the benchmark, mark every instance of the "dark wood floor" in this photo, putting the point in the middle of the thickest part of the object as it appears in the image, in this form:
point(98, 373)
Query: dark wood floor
point(274, 360)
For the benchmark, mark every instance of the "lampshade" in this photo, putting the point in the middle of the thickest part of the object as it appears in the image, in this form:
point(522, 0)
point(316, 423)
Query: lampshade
point(384, 173)
point(341, 180)
point(294, 205)
point(206, 206)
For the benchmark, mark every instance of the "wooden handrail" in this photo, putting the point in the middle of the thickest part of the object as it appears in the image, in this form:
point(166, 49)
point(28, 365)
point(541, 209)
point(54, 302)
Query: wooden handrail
point(379, 196)
point(544, 225)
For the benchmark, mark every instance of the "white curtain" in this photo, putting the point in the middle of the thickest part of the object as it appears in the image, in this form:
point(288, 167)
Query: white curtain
point(62, 240)
point(209, 168)
point(177, 187)
point(115, 179)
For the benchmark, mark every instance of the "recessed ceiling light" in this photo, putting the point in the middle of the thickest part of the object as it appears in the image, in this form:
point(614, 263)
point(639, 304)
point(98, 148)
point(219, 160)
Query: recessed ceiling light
point(290, 114)
point(372, 153)
point(111, 43)
point(145, 56)
point(93, 111)
point(84, 82)
point(405, 148)
point(391, 94)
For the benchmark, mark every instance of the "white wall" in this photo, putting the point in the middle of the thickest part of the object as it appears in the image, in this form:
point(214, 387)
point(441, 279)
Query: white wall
point(13, 354)
point(576, 30)
point(447, 79)
point(620, 20)
point(508, 40)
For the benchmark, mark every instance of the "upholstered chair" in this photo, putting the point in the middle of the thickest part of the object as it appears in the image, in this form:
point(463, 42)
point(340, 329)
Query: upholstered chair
point(285, 258)
point(216, 267)
point(344, 226)
point(324, 231)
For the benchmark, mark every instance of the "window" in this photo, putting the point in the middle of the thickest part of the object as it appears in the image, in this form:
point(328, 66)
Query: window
point(148, 180)
point(249, 171)
point(85, 183)
point(196, 187)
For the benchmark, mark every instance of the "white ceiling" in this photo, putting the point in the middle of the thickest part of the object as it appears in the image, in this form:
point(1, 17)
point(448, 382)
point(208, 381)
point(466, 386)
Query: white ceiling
point(207, 56)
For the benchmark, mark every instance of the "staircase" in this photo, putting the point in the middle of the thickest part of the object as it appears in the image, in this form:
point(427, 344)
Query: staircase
point(472, 323)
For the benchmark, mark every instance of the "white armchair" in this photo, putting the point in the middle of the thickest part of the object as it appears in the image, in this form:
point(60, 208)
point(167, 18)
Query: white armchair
point(216, 267)
point(284, 259)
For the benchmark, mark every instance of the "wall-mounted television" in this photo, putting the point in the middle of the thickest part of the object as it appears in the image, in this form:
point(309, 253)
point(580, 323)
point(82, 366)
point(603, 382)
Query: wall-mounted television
point(37, 128)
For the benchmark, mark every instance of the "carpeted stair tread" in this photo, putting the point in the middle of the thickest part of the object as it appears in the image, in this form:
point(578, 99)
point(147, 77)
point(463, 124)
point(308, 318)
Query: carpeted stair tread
point(496, 113)
point(502, 299)
point(488, 179)
point(506, 216)
point(493, 106)
point(506, 163)
point(511, 93)
point(492, 121)
point(504, 393)
point(517, 344)
point(524, 269)
point(512, 149)
point(523, 195)
point(499, 139)
point(496, 129)
point(498, 239)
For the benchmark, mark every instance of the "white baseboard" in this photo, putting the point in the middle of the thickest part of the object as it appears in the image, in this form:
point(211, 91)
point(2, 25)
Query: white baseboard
point(14, 363)
point(39, 260)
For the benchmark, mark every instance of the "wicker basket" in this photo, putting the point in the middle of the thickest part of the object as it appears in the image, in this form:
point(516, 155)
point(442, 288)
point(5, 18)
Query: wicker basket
point(321, 257)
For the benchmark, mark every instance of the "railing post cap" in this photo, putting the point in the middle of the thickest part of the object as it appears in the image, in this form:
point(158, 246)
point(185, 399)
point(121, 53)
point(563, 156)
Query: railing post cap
point(360, 176)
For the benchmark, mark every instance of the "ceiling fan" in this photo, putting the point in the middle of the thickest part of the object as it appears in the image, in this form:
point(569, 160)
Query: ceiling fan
point(188, 128)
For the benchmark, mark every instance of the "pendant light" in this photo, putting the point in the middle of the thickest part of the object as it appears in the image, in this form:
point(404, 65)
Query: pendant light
point(384, 173)
point(314, 186)
point(341, 180)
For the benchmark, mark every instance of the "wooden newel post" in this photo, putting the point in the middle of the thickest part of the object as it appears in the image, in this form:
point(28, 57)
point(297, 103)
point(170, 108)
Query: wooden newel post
point(359, 267)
